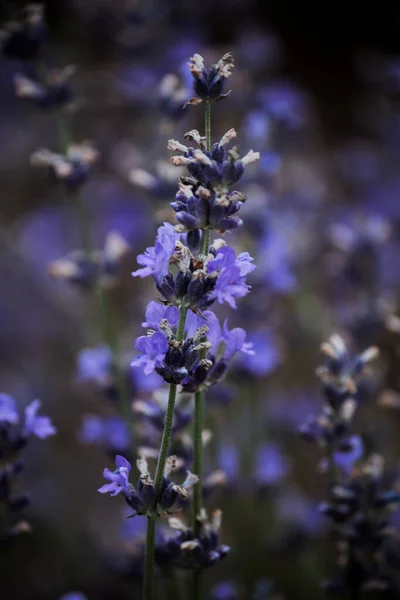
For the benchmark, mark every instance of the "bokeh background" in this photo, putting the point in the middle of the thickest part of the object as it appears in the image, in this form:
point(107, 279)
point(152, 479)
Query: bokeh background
point(316, 91)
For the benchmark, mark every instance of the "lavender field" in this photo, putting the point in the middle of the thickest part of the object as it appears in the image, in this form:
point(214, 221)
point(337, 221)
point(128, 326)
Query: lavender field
point(199, 301)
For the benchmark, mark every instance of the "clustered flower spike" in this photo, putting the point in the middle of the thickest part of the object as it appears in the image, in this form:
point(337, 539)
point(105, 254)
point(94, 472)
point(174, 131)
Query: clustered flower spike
point(71, 168)
point(15, 437)
point(201, 280)
point(186, 551)
point(219, 168)
point(340, 377)
point(180, 362)
point(54, 92)
point(208, 83)
point(142, 499)
point(101, 267)
point(360, 512)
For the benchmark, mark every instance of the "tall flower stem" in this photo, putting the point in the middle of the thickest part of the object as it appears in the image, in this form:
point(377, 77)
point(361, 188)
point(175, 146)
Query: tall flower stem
point(106, 325)
point(199, 399)
point(148, 581)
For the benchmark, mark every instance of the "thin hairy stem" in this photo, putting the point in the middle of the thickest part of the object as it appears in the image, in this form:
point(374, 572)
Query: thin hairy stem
point(148, 581)
point(199, 399)
point(148, 587)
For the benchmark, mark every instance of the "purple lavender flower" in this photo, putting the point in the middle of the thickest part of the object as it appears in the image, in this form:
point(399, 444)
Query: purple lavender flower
point(94, 364)
point(197, 207)
point(156, 258)
point(232, 274)
point(188, 552)
point(228, 460)
point(345, 458)
point(71, 168)
point(55, 92)
point(213, 367)
point(42, 427)
point(156, 312)
point(208, 83)
point(119, 478)
point(271, 466)
point(265, 356)
point(143, 499)
point(8, 410)
point(218, 169)
point(111, 431)
point(153, 349)
point(225, 590)
point(235, 341)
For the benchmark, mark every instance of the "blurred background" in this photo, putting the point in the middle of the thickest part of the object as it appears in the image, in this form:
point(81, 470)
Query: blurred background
point(316, 91)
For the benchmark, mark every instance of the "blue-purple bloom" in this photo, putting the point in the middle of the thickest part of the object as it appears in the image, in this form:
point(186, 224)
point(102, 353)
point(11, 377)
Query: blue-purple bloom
point(143, 498)
point(112, 431)
point(271, 466)
point(8, 410)
point(42, 427)
point(155, 260)
point(119, 478)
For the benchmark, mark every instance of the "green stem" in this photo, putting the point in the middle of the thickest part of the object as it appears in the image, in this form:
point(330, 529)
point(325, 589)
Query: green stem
point(199, 399)
point(148, 587)
point(148, 582)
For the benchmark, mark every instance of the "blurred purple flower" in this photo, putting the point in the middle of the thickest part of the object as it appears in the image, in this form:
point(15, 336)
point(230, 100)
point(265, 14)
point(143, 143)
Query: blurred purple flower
point(8, 410)
point(228, 460)
point(94, 364)
point(42, 427)
point(111, 431)
point(271, 466)
point(266, 356)
point(295, 507)
point(73, 596)
point(346, 460)
point(284, 102)
point(225, 590)
point(235, 342)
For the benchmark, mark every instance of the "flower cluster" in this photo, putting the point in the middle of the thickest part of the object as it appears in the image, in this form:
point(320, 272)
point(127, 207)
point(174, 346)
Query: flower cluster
point(100, 267)
point(218, 168)
point(180, 362)
point(143, 499)
point(333, 428)
point(187, 551)
point(14, 437)
point(208, 83)
point(360, 495)
point(361, 512)
point(201, 280)
point(72, 168)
